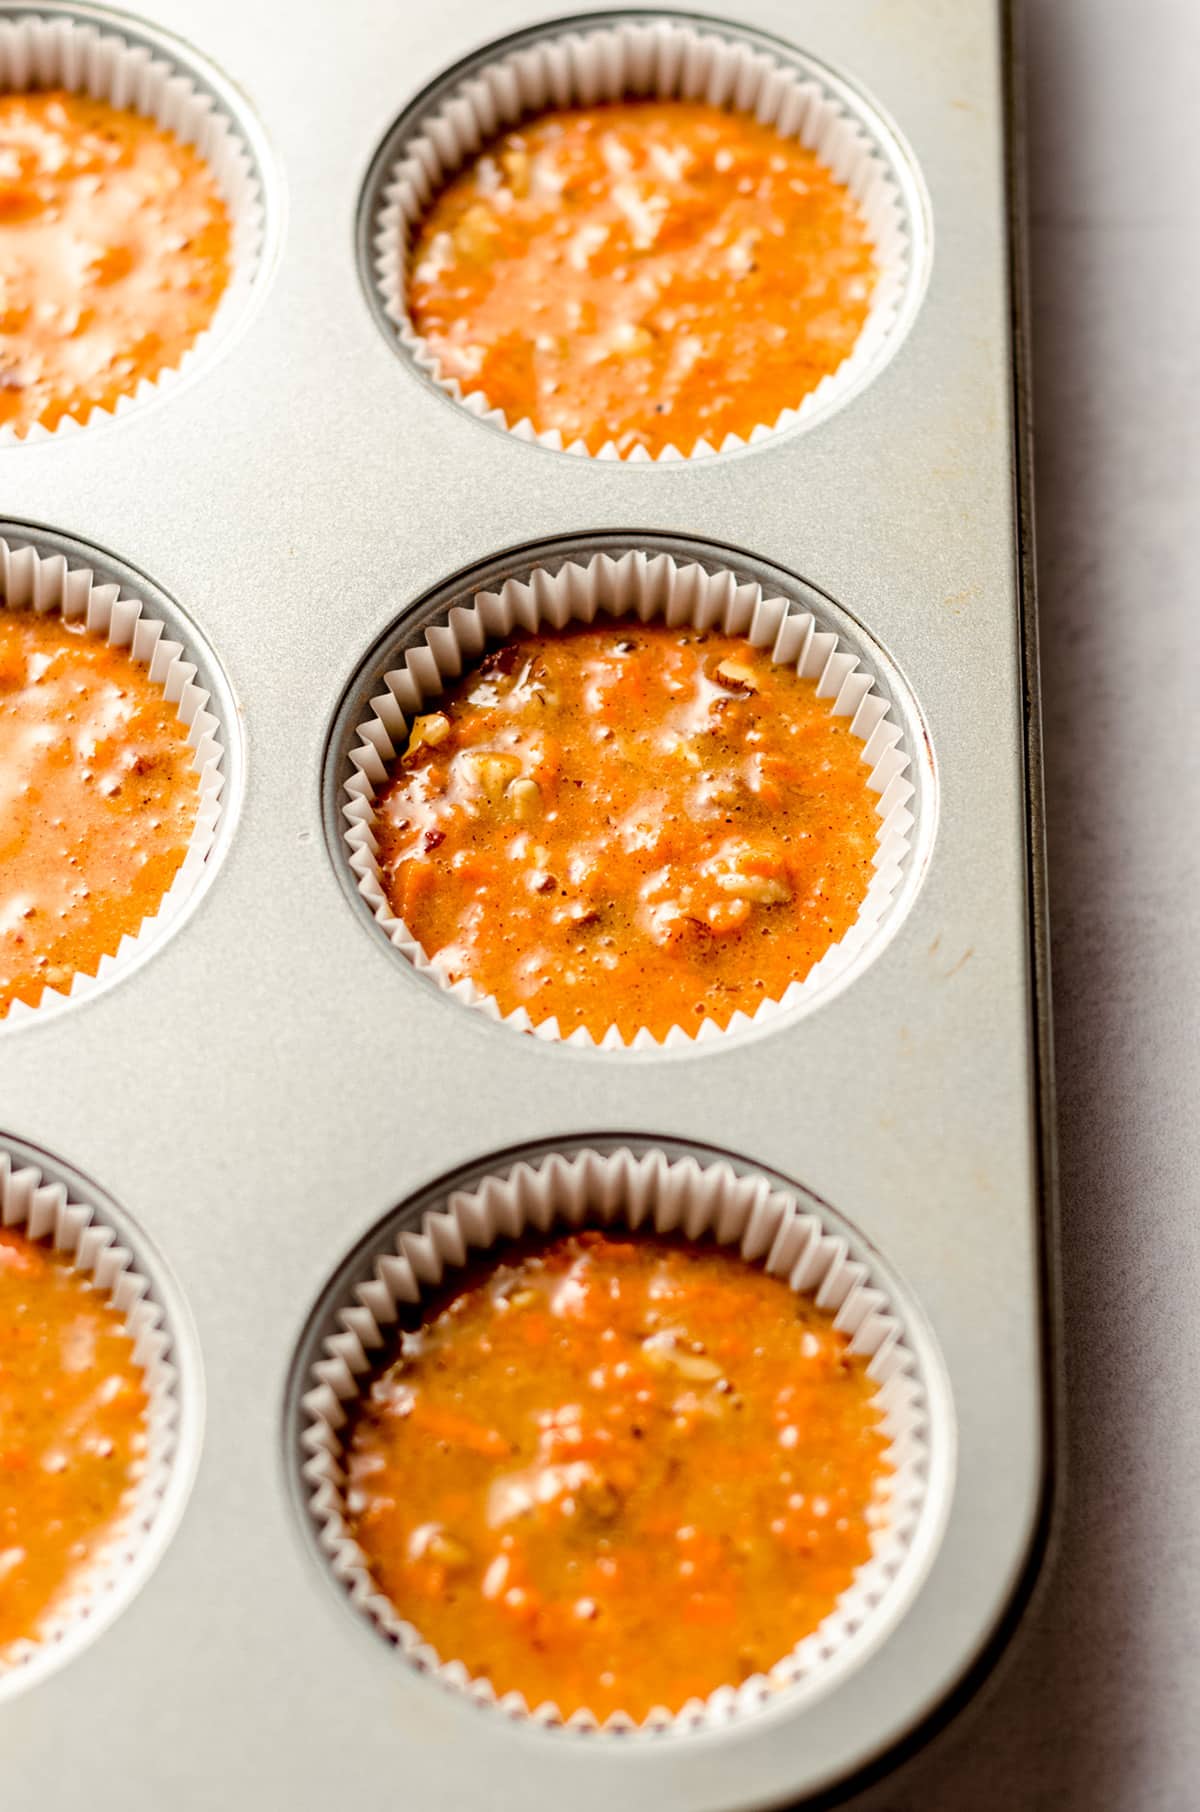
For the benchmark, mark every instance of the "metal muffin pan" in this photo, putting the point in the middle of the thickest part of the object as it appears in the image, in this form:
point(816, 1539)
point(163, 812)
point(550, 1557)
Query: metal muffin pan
point(276, 1080)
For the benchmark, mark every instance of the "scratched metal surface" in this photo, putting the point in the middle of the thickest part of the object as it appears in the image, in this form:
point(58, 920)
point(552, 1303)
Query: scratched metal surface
point(271, 1082)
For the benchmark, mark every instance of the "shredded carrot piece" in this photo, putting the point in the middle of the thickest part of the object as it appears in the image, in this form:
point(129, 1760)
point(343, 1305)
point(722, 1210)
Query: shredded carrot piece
point(450, 1425)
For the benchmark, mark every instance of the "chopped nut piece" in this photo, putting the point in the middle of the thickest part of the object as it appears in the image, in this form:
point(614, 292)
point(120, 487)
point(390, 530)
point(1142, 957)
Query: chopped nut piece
point(630, 339)
point(515, 164)
point(476, 233)
point(427, 733)
point(432, 1542)
point(682, 750)
point(489, 773)
point(448, 1550)
point(526, 798)
point(762, 890)
point(734, 673)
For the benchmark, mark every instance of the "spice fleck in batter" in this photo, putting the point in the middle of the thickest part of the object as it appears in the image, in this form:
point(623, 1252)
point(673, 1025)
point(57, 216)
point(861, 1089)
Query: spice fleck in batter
point(97, 801)
point(73, 1409)
point(114, 253)
point(615, 1474)
point(650, 273)
point(631, 824)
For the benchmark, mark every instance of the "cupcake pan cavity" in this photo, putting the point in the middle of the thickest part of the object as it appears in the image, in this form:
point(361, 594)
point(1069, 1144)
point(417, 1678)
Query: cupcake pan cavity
point(109, 59)
point(266, 1089)
point(46, 1202)
point(586, 62)
point(49, 575)
point(644, 1191)
point(668, 584)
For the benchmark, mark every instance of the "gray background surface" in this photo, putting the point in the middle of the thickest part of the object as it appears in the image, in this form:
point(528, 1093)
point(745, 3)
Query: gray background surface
point(1095, 1709)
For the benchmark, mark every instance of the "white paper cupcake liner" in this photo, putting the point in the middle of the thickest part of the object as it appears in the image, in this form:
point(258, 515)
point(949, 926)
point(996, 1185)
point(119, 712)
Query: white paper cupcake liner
point(670, 58)
point(643, 586)
point(38, 52)
point(43, 1209)
point(712, 1200)
point(30, 580)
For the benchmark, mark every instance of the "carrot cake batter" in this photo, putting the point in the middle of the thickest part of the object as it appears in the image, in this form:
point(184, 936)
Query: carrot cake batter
point(648, 273)
point(115, 248)
point(629, 824)
point(617, 1473)
point(97, 801)
point(73, 1409)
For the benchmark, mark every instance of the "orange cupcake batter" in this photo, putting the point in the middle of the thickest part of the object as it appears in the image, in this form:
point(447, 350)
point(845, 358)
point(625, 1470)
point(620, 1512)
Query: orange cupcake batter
point(629, 824)
point(97, 801)
point(114, 252)
point(618, 1473)
point(649, 273)
point(73, 1408)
